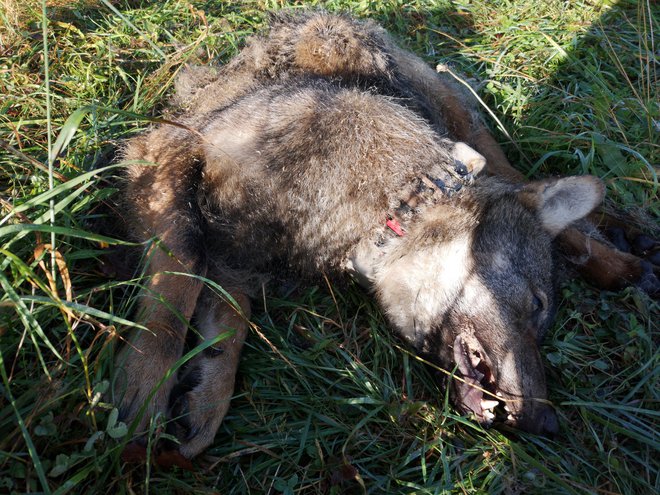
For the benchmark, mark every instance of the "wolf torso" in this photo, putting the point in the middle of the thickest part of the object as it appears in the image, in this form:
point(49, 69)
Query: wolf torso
point(302, 174)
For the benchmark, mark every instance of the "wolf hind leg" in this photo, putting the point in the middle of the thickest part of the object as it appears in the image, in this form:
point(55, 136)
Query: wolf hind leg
point(363, 52)
point(201, 398)
point(326, 45)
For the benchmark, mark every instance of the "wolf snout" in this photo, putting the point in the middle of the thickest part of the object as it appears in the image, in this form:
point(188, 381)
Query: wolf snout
point(543, 421)
point(549, 424)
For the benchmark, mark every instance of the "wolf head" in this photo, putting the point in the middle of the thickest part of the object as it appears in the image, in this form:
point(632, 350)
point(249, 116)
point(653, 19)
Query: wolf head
point(472, 286)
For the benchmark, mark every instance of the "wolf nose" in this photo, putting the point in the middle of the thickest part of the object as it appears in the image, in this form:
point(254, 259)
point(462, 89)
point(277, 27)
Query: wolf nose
point(549, 422)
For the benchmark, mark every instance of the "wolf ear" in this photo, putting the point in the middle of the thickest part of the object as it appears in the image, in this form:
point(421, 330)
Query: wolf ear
point(560, 202)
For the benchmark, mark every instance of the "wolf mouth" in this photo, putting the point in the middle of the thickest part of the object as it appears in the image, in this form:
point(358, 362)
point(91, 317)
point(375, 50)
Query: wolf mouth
point(477, 392)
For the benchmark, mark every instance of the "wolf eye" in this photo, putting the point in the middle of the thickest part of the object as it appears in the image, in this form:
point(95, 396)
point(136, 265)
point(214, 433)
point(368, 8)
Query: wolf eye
point(540, 316)
point(538, 303)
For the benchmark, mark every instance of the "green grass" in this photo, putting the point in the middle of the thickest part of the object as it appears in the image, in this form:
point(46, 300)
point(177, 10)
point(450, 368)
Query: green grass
point(342, 406)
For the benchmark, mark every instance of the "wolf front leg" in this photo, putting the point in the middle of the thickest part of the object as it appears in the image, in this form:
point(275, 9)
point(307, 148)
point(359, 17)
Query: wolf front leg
point(144, 367)
point(161, 203)
point(201, 398)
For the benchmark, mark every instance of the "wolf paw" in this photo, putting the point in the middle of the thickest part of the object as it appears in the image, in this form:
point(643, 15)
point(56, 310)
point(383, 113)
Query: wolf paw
point(197, 407)
point(138, 382)
point(133, 397)
point(647, 250)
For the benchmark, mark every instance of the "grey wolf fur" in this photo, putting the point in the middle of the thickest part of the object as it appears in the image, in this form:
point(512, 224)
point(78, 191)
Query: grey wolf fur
point(291, 158)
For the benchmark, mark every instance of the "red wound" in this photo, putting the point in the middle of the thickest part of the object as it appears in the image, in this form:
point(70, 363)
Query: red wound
point(395, 227)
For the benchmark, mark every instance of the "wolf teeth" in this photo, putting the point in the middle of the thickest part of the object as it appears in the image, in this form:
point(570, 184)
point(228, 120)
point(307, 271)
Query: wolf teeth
point(506, 408)
point(499, 394)
point(510, 417)
point(489, 404)
point(489, 415)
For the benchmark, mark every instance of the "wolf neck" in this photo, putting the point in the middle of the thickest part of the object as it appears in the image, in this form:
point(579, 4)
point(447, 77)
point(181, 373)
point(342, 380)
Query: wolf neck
point(428, 195)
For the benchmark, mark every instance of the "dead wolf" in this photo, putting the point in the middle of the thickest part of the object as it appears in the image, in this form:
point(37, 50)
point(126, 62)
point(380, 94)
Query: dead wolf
point(324, 148)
